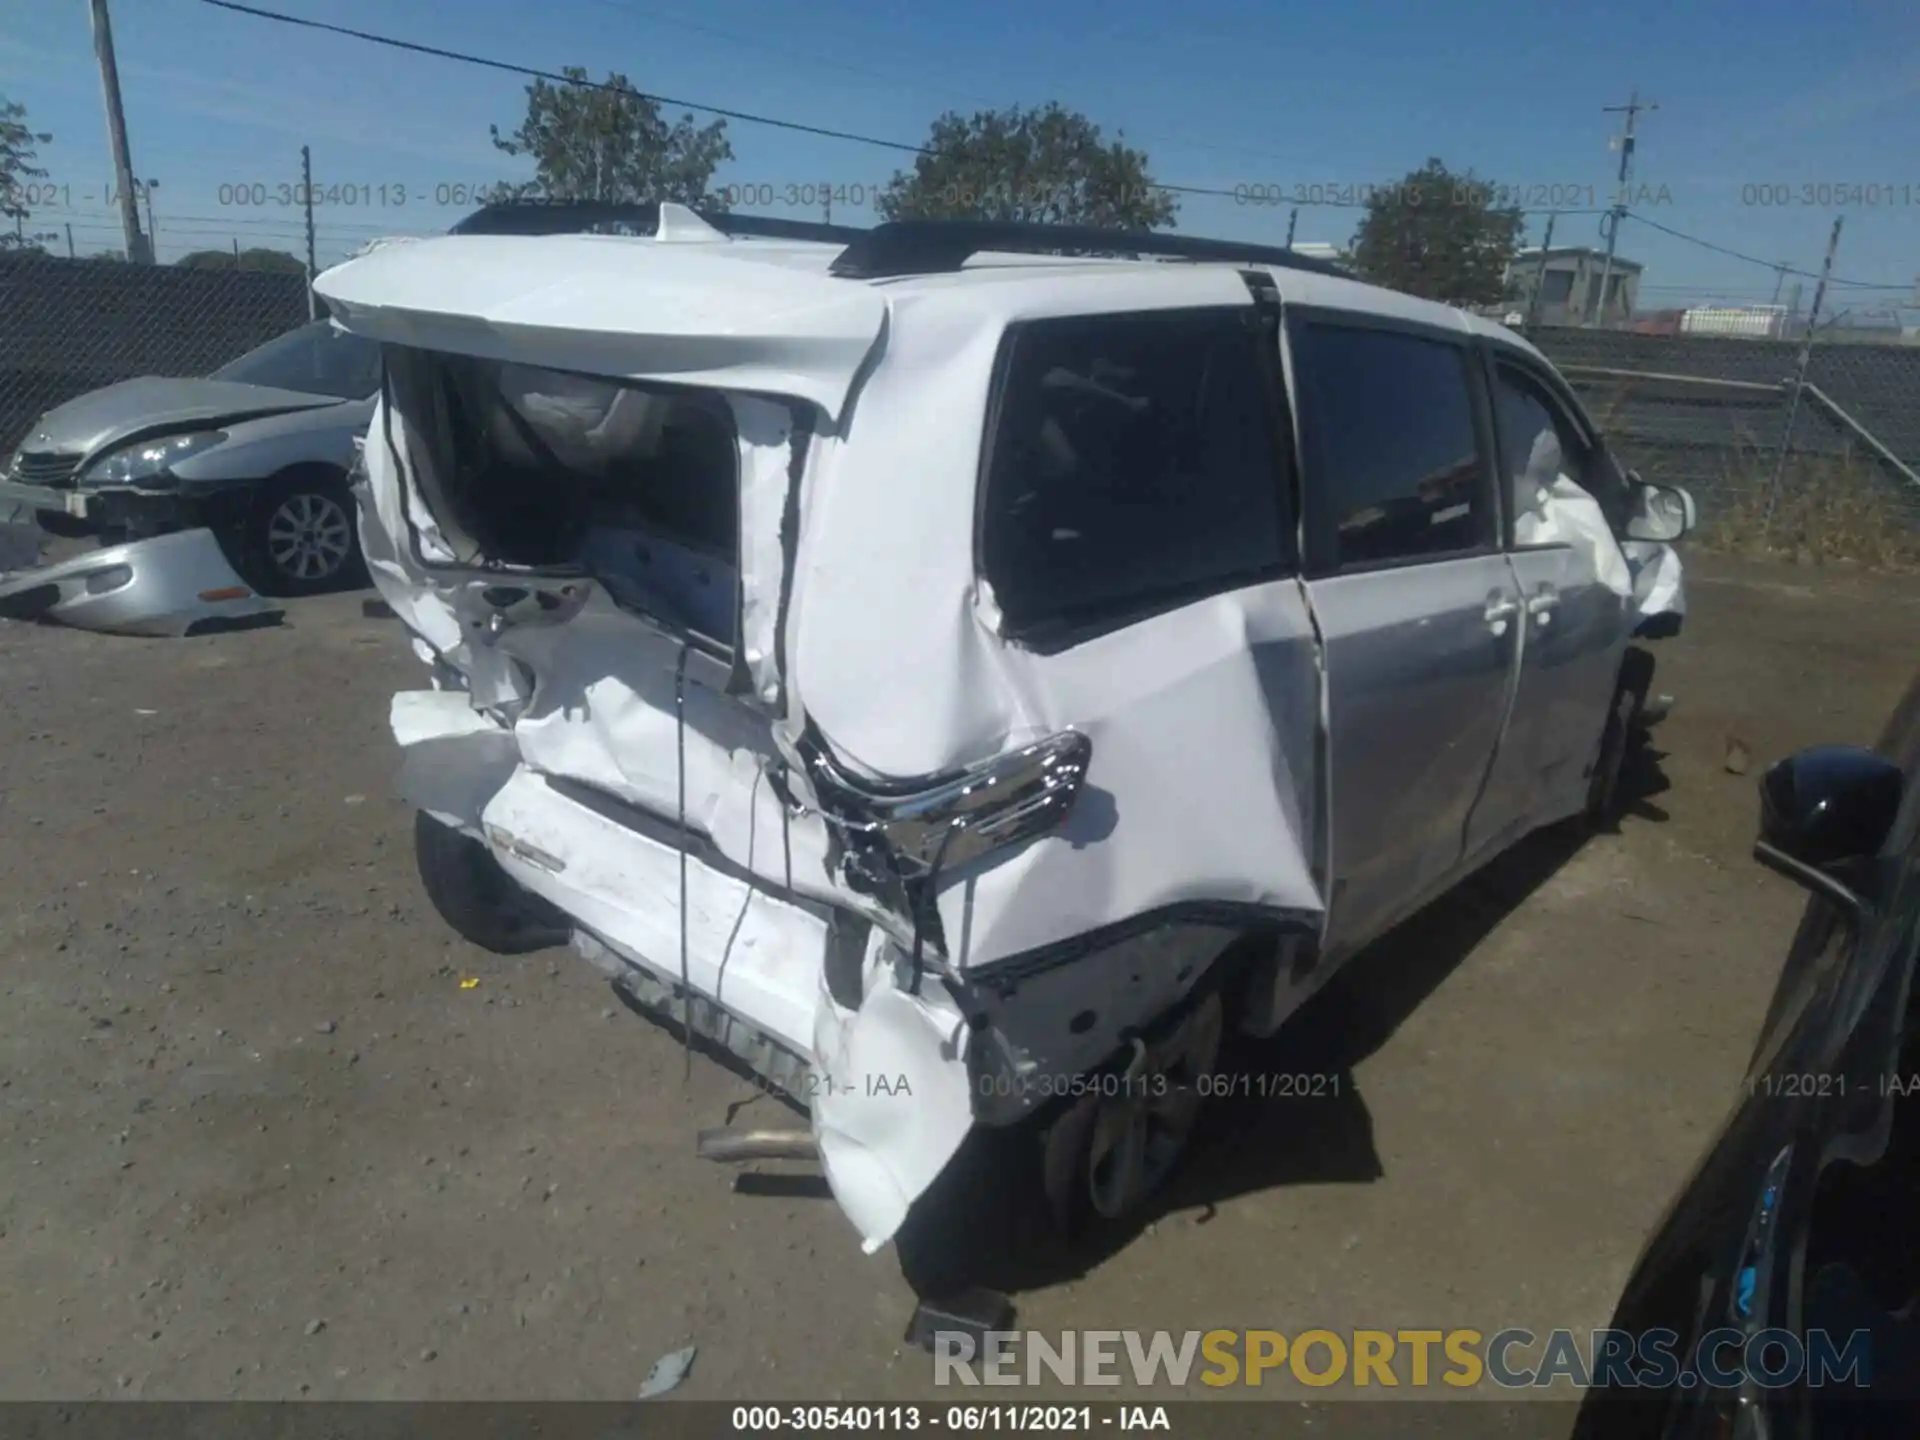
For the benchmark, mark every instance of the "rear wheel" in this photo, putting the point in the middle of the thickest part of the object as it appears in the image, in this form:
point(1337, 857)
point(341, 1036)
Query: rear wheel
point(299, 537)
point(1113, 1149)
point(477, 898)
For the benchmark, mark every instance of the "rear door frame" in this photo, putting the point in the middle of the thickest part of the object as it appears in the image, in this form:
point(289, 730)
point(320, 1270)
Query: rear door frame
point(1319, 562)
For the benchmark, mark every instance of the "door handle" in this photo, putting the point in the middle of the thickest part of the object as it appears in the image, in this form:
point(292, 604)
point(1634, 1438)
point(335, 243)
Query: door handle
point(1499, 610)
point(1542, 604)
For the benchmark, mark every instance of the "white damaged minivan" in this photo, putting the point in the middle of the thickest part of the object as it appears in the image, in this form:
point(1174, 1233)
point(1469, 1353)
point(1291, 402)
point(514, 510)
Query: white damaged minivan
point(963, 674)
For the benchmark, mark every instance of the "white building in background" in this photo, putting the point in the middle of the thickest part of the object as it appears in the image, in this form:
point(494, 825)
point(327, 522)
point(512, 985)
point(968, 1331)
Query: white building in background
point(1568, 279)
point(1756, 322)
point(1319, 250)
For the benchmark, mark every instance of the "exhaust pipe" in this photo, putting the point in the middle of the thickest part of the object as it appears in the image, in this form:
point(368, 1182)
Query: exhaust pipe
point(727, 1145)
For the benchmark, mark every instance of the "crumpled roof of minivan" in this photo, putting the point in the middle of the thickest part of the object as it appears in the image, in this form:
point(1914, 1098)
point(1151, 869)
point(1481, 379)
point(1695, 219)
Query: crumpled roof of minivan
point(758, 315)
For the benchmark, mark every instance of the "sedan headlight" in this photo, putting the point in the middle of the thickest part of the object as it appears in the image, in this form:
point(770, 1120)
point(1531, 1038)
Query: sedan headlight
point(150, 461)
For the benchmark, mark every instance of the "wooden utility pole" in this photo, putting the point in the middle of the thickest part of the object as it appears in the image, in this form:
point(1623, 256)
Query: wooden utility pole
point(138, 250)
point(1611, 220)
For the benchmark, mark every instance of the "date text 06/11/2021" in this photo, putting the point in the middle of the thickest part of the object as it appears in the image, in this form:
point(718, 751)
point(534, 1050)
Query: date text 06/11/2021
point(1814, 1085)
point(958, 1419)
point(1107, 1084)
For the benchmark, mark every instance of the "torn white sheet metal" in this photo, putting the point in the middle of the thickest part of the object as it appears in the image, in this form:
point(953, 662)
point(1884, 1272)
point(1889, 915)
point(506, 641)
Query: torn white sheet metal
point(1550, 508)
point(895, 1102)
point(1659, 579)
point(1202, 721)
point(766, 455)
point(714, 315)
point(453, 759)
point(604, 714)
point(386, 507)
point(757, 954)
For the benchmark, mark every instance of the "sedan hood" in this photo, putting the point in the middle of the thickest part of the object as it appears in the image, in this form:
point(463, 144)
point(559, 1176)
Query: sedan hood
point(89, 423)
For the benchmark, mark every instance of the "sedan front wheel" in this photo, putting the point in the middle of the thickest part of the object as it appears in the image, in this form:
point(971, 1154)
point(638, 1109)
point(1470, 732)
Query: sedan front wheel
point(300, 537)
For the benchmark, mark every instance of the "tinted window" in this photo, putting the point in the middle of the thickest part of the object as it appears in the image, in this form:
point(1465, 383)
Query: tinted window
point(1133, 463)
point(1524, 409)
point(316, 359)
point(1524, 414)
point(1400, 473)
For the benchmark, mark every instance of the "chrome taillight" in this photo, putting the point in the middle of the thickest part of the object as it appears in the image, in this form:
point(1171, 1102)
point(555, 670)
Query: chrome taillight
point(990, 806)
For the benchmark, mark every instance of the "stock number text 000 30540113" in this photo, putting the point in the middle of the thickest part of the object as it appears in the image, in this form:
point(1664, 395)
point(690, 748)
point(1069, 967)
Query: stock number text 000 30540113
point(973, 1419)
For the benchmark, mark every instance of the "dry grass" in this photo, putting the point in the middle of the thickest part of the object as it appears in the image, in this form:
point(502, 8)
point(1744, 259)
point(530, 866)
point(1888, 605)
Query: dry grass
point(1830, 509)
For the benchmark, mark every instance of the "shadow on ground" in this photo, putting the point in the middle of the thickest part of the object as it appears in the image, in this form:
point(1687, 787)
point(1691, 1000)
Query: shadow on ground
point(1287, 1110)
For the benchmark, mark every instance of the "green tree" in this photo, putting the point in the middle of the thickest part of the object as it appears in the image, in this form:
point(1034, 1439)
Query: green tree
point(1440, 236)
point(255, 258)
point(608, 142)
point(19, 149)
point(1043, 164)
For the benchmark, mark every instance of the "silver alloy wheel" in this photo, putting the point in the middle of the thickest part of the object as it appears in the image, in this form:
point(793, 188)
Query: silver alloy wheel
point(1141, 1131)
point(309, 536)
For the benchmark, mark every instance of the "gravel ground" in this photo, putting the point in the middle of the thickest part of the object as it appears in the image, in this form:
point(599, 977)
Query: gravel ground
point(258, 1139)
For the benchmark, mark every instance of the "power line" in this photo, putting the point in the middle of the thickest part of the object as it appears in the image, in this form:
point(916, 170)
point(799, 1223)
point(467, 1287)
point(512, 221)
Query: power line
point(1755, 260)
point(741, 37)
point(441, 53)
point(1241, 194)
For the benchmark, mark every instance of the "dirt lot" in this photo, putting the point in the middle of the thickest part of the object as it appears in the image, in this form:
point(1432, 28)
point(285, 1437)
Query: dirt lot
point(258, 1140)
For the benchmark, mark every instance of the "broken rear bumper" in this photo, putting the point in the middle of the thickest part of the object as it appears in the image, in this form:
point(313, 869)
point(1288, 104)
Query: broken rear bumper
point(885, 1082)
point(178, 584)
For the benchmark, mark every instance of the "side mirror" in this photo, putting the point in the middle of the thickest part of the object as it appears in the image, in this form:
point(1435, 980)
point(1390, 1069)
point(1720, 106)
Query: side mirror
point(1661, 513)
point(1825, 814)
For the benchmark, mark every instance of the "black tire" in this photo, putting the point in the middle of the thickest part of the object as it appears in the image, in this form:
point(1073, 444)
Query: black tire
point(300, 535)
point(477, 898)
point(1623, 722)
point(63, 526)
point(1069, 1144)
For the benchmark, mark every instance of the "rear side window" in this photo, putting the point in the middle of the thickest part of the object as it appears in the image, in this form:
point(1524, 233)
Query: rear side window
point(1398, 469)
point(1134, 463)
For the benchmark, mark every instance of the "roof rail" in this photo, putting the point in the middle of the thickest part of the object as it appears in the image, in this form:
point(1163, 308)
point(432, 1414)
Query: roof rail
point(573, 217)
point(924, 247)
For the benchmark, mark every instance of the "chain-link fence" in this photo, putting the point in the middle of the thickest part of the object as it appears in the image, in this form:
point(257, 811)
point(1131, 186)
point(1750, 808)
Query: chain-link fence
point(1831, 464)
point(70, 326)
point(1705, 411)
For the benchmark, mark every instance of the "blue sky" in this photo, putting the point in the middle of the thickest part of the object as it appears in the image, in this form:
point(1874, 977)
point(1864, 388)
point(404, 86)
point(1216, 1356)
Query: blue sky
point(1221, 93)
